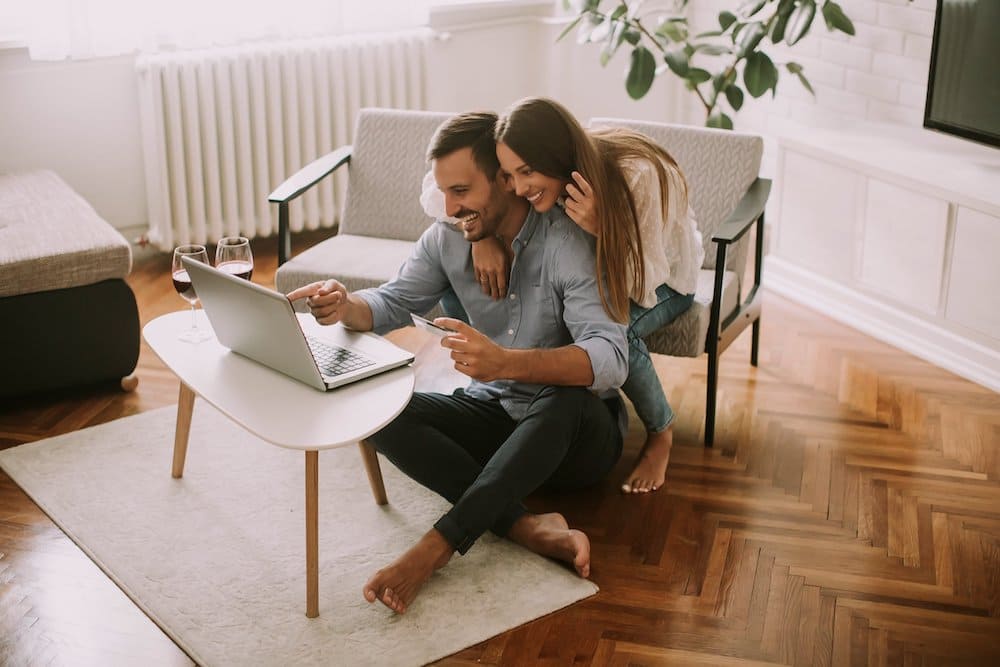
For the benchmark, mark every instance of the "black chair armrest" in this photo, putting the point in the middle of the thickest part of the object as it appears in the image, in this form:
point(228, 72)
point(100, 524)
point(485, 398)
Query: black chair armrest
point(299, 182)
point(723, 329)
point(309, 175)
point(747, 211)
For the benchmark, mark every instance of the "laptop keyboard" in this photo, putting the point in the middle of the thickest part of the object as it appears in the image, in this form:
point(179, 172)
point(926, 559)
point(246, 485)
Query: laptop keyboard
point(333, 361)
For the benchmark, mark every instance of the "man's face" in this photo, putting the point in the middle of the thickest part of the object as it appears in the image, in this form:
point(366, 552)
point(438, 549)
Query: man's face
point(479, 203)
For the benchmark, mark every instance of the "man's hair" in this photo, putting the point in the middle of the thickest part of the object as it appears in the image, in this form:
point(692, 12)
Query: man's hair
point(468, 130)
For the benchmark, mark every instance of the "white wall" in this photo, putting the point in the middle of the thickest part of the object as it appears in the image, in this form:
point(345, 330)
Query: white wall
point(879, 74)
point(81, 118)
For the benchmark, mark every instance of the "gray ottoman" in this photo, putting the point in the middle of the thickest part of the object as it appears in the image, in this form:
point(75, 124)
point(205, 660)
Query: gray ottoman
point(67, 317)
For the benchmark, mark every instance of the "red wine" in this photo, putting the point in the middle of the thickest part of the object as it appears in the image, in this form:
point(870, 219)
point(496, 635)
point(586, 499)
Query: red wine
point(238, 268)
point(182, 283)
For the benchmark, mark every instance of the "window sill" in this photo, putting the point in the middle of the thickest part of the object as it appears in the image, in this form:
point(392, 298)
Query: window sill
point(449, 16)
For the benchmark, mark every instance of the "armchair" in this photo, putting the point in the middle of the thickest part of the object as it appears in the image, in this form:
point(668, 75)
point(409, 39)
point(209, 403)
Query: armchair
point(382, 216)
point(727, 197)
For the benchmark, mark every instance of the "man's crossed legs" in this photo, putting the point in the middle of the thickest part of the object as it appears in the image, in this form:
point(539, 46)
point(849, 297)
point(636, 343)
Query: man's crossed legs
point(474, 455)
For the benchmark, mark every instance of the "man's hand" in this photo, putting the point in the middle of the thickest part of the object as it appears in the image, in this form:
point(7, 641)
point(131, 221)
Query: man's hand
point(327, 300)
point(474, 354)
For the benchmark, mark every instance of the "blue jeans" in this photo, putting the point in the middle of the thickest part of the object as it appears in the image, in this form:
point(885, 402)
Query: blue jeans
point(643, 386)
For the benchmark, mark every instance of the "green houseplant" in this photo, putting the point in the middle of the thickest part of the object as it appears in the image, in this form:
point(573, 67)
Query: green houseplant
point(720, 66)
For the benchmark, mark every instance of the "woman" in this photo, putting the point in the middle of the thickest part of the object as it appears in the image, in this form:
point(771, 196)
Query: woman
point(630, 194)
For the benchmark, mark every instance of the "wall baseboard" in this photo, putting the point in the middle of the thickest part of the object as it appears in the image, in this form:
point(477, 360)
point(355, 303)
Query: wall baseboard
point(932, 343)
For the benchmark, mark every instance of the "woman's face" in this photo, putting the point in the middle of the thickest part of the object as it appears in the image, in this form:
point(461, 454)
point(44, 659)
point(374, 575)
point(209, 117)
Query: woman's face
point(540, 190)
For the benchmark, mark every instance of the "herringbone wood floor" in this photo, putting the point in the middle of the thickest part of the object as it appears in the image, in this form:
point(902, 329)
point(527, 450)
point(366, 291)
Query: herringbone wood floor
point(850, 514)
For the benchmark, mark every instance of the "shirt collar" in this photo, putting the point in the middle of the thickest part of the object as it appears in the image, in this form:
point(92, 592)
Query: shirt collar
point(529, 227)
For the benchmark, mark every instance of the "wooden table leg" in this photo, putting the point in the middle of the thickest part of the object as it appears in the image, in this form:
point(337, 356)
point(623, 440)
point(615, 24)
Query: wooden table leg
point(370, 457)
point(185, 406)
point(312, 534)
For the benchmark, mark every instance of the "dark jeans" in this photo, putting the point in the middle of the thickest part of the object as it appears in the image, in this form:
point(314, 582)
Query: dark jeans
point(474, 455)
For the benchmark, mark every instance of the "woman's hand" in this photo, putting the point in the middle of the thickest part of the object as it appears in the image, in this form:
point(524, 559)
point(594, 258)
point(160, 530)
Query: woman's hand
point(580, 204)
point(492, 266)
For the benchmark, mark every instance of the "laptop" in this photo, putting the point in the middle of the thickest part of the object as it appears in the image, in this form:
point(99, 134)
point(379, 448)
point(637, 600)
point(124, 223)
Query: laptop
point(261, 324)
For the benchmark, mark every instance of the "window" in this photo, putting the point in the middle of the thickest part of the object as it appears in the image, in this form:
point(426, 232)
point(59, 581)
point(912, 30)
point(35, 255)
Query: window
point(80, 29)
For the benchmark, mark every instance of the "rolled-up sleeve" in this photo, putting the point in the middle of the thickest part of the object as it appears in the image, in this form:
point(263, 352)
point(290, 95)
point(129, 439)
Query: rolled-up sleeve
point(418, 287)
point(604, 340)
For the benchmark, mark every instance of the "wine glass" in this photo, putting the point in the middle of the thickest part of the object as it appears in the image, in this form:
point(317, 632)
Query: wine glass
point(233, 255)
point(182, 283)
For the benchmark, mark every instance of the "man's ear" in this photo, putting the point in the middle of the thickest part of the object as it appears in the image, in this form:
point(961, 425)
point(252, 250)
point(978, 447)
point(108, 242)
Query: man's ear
point(503, 181)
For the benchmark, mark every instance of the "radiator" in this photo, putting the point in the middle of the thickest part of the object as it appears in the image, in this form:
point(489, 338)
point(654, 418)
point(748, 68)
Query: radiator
point(221, 128)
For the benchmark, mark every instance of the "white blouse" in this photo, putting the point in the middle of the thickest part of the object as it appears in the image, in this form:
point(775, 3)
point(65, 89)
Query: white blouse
point(672, 247)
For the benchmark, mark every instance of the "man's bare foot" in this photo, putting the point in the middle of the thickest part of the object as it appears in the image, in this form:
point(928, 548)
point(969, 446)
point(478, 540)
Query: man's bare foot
point(397, 585)
point(550, 535)
point(651, 470)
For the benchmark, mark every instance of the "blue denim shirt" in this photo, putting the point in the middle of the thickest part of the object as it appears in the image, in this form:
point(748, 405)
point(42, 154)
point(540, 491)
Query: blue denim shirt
point(552, 300)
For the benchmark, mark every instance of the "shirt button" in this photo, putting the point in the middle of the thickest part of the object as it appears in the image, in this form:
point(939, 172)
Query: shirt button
point(513, 296)
point(510, 332)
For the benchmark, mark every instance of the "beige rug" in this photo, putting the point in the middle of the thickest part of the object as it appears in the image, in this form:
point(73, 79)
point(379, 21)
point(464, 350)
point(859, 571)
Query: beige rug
point(217, 559)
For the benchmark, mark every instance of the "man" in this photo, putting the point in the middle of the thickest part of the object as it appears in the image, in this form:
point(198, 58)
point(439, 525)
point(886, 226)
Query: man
point(530, 416)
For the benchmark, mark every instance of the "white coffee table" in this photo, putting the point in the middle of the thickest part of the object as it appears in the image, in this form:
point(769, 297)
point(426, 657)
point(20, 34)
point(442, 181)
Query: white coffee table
point(280, 410)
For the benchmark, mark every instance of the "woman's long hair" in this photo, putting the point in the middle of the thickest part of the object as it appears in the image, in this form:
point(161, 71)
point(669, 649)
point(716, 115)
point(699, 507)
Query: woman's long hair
point(550, 140)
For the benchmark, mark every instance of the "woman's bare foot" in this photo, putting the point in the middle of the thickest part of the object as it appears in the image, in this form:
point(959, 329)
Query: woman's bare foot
point(397, 585)
point(550, 535)
point(651, 470)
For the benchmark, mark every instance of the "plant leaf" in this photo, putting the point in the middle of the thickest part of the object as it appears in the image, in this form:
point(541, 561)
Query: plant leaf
point(601, 32)
point(836, 19)
point(677, 61)
point(632, 36)
point(800, 21)
point(759, 74)
point(697, 75)
point(675, 30)
point(723, 79)
point(619, 11)
point(750, 38)
point(750, 7)
point(785, 8)
point(734, 35)
point(796, 69)
point(615, 40)
point(726, 19)
point(734, 95)
point(719, 120)
point(570, 27)
point(712, 49)
point(641, 72)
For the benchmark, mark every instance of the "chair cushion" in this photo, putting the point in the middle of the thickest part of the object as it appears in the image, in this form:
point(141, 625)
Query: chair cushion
point(356, 261)
point(51, 238)
point(685, 336)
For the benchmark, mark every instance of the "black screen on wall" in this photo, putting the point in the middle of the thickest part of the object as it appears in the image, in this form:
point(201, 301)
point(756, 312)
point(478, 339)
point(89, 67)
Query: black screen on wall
point(963, 88)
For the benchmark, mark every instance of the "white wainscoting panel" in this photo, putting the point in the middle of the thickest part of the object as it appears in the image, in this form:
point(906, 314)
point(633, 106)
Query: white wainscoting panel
point(894, 233)
point(819, 201)
point(973, 292)
point(904, 234)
